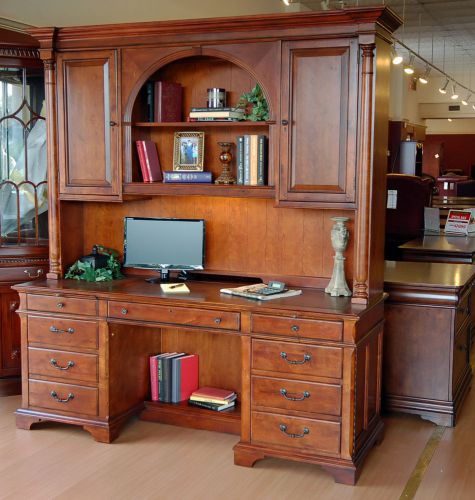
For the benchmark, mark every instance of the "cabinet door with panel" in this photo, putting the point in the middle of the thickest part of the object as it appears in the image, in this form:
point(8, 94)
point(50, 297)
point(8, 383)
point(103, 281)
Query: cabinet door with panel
point(10, 333)
point(88, 125)
point(319, 119)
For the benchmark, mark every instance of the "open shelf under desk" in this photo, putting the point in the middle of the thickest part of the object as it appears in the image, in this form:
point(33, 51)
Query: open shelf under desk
point(171, 189)
point(185, 415)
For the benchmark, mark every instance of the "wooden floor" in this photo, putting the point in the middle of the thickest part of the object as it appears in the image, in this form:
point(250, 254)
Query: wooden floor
point(155, 461)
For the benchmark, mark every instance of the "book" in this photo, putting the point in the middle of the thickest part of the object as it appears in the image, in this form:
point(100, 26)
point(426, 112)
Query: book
point(261, 160)
point(161, 374)
point(174, 288)
point(166, 397)
point(240, 160)
point(246, 162)
point(168, 99)
point(149, 163)
point(154, 377)
point(184, 377)
point(211, 119)
point(253, 160)
point(212, 406)
point(218, 113)
point(214, 392)
point(228, 108)
point(207, 399)
point(252, 292)
point(149, 99)
point(195, 177)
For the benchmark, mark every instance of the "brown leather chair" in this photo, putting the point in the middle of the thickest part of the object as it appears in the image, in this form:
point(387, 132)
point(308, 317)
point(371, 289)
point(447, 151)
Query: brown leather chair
point(406, 221)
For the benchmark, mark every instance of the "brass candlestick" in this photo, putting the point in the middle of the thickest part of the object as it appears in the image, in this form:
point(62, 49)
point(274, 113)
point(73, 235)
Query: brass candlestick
point(225, 157)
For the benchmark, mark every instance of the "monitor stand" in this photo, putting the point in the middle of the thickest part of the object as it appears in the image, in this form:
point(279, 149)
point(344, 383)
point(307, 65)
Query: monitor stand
point(163, 278)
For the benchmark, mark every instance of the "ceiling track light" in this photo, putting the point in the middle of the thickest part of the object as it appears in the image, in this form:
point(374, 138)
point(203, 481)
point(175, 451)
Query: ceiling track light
point(409, 69)
point(395, 56)
point(465, 101)
point(454, 93)
point(425, 77)
point(443, 90)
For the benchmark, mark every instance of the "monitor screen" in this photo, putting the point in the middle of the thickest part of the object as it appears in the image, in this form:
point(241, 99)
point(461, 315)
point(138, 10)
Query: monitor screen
point(164, 243)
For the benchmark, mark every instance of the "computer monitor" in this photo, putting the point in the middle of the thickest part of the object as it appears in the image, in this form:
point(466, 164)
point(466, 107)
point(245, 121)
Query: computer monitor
point(164, 244)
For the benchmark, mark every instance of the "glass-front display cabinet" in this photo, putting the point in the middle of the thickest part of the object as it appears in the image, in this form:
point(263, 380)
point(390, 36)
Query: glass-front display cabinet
point(23, 189)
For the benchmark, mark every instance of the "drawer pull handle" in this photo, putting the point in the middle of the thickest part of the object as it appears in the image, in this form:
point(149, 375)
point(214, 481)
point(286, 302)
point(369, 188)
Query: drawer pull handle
point(283, 428)
point(124, 311)
point(53, 329)
point(306, 357)
point(39, 272)
point(60, 305)
point(305, 395)
point(217, 320)
point(55, 396)
point(55, 364)
point(295, 328)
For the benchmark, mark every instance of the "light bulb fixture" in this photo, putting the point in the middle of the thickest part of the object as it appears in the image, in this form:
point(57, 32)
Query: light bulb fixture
point(443, 90)
point(465, 101)
point(473, 106)
point(395, 56)
point(409, 69)
point(425, 77)
point(454, 93)
point(449, 119)
point(287, 2)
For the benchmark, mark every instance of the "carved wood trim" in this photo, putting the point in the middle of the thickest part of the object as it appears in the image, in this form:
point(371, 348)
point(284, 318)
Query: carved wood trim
point(364, 161)
point(19, 52)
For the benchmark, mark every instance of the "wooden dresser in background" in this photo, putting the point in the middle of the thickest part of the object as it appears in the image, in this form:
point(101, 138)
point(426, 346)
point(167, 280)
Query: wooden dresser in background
point(325, 76)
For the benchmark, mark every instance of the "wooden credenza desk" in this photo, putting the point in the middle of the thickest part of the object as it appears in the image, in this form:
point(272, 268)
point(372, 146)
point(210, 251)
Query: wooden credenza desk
point(307, 369)
point(440, 248)
point(429, 318)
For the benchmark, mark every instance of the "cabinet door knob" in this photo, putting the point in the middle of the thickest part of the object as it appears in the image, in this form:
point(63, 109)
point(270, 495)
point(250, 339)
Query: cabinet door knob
point(285, 122)
point(112, 124)
point(60, 305)
point(15, 354)
point(39, 272)
point(295, 328)
point(14, 306)
point(217, 320)
point(124, 310)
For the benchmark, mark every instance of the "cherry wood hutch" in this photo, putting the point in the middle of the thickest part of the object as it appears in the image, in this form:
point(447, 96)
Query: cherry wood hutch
point(86, 346)
point(22, 255)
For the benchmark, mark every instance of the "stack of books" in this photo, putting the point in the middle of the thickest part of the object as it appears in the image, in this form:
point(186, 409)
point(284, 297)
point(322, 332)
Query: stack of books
point(251, 160)
point(213, 398)
point(216, 114)
point(173, 376)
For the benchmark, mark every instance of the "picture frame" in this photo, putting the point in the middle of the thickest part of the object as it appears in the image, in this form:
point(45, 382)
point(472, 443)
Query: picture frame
point(188, 151)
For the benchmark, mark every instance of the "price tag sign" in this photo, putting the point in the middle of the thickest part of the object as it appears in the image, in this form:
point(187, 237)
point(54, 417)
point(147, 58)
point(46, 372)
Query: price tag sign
point(458, 221)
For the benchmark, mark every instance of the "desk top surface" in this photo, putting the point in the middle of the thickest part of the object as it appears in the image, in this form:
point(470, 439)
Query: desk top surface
point(441, 243)
point(427, 274)
point(201, 293)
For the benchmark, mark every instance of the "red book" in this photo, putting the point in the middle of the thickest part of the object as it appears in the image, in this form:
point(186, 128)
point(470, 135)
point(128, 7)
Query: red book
point(149, 162)
point(154, 377)
point(185, 371)
point(143, 164)
point(168, 102)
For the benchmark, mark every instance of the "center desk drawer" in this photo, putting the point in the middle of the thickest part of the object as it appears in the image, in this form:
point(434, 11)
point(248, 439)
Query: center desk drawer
point(64, 332)
point(69, 305)
point(62, 364)
point(63, 397)
point(301, 359)
point(297, 327)
point(175, 315)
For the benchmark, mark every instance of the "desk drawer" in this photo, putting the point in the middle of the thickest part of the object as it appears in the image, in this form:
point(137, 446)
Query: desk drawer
point(63, 332)
point(69, 305)
point(208, 318)
point(63, 397)
point(62, 364)
point(297, 327)
point(23, 273)
point(296, 395)
point(315, 436)
point(301, 359)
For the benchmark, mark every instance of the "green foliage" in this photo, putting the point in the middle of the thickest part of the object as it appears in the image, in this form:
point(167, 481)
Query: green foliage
point(255, 105)
point(84, 270)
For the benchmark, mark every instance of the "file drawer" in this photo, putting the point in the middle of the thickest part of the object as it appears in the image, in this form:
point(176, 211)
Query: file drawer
point(63, 397)
point(297, 327)
point(62, 332)
point(316, 436)
point(296, 395)
point(301, 359)
point(208, 318)
point(58, 304)
point(63, 364)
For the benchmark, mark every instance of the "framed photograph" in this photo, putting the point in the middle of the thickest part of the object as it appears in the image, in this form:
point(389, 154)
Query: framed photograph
point(188, 151)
